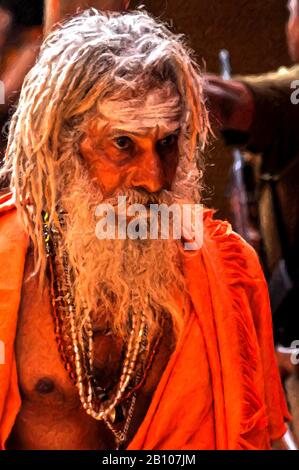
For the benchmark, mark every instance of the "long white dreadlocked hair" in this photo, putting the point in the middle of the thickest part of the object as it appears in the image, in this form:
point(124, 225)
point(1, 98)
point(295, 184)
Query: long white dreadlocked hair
point(92, 56)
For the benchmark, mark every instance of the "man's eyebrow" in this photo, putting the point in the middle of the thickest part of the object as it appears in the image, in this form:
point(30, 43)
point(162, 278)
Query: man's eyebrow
point(176, 131)
point(168, 132)
point(143, 132)
point(127, 131)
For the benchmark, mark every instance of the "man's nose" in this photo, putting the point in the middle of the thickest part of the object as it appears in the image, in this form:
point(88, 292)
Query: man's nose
point(150, 174)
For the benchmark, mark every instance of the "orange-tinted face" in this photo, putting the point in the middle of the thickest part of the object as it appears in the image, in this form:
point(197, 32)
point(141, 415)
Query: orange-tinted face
point(293, 30)
point(134, 145)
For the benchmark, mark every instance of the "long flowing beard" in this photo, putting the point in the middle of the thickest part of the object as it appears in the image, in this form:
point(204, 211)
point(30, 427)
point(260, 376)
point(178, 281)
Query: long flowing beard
point(114, 277)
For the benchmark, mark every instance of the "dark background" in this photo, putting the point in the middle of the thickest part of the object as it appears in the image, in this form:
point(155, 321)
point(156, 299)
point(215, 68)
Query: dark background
point(26, 12)
point(254, 33)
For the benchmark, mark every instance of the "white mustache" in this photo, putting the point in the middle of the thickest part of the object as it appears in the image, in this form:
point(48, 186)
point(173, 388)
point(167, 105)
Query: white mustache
point(134, 196)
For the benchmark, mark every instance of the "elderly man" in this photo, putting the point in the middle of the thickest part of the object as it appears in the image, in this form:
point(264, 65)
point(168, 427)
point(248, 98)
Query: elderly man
point(124, 343)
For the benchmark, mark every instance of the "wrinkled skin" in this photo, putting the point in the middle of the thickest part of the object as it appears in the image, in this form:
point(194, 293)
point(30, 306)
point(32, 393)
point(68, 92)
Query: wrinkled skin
point(139, 153)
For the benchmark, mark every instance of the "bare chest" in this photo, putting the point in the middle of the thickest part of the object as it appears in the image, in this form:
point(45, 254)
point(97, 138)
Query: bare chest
point(51, 416)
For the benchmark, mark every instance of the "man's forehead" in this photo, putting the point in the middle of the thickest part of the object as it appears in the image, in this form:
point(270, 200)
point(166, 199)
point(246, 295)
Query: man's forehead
point(160, 107)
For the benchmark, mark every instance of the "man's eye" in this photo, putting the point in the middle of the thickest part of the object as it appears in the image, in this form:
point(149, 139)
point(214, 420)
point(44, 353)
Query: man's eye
point(167, 142)
point(123, 143)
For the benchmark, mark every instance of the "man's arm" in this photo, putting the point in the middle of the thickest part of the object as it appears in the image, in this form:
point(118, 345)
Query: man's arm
point(259, 112)
point(287, 442)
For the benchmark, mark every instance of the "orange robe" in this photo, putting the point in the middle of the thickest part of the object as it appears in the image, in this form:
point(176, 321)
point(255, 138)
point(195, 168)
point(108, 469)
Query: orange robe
point(221, 388)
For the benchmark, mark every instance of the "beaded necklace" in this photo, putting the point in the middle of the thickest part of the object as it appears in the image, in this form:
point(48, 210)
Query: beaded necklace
point(75, 345)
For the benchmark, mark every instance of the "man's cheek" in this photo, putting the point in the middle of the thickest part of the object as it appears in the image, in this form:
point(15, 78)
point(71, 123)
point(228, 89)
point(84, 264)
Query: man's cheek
point(170, 165)
point(111, 179)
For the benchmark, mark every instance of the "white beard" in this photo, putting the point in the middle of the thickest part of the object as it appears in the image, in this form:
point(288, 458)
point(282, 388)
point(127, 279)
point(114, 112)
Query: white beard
point(114, 276)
